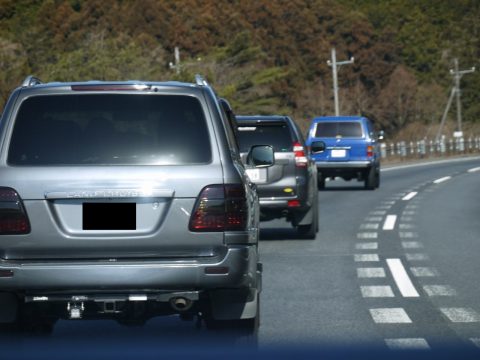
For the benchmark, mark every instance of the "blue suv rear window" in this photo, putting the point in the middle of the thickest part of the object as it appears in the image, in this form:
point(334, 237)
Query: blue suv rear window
point(110, 129)
point(344, 129)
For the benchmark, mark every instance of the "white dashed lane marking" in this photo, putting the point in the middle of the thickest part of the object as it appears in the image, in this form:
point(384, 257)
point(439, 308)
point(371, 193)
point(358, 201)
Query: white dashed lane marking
point(407, 235)
point(439, 290)
point(401, 278)
point(367, 235)
point(369, 226)
point(407, 344)
point(389, 223)
point(461, 315)
point(474, 170)
point(412, 245)
point(378, 212)
point(417, 257)
point(367, 246)
point(366, 257)
point(409, 196)
point(406, 226)
point(475, 341)
point(441, 180)
point(390, 316)
point(371, 272)
point(376, 291)
point(374, 218)
point(423, 271)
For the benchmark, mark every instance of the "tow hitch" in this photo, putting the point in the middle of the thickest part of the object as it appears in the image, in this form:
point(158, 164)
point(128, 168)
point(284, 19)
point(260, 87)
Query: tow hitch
point(75, 310)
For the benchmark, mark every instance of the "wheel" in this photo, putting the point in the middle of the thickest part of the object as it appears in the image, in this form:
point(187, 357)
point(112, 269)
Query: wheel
point(371, 179)
point(377, 182)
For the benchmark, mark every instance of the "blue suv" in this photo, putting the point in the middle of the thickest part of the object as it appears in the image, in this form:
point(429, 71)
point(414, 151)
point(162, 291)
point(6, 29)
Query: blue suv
point(346, 147)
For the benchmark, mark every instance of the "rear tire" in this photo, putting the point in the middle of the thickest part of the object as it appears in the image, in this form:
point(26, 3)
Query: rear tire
point(371, 179)
point(320, 182)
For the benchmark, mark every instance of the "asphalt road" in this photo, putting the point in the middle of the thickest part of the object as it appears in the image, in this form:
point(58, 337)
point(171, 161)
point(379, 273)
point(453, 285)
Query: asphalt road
point(395, 268)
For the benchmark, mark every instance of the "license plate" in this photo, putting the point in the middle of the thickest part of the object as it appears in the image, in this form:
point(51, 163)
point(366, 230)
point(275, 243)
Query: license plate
point(109, 216)
point(257, 175)
point(339, 153)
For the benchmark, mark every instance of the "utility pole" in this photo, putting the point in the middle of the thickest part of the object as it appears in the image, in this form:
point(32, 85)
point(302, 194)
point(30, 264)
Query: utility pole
point(458, 75)
point(455, 91)
point(177, 65)
point(336, 64)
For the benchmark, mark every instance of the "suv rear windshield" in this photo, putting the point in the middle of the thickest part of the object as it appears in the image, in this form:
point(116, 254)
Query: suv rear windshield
point(277, 135)
point(342, 129)
point(123, 129)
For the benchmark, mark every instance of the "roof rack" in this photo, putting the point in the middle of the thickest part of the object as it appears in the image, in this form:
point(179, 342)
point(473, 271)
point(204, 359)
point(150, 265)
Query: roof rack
point(31, 81)
point(199, 79)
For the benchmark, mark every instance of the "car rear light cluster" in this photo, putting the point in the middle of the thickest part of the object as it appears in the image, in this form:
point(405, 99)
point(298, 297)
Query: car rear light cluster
point(370, 151)
point(300, 156)
point(13, 218)
point(220, 208)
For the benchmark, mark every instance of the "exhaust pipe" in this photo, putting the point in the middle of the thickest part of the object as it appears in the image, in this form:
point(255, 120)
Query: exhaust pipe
point(181, 304)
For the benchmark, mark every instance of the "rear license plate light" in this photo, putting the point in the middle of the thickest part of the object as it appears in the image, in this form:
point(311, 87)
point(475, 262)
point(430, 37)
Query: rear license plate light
point(109, 216)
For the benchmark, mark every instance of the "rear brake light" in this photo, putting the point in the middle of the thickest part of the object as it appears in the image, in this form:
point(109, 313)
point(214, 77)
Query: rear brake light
point(370, 151)
point(220, 208)
point(294, 203)
point(13, 218)
point(300, 157)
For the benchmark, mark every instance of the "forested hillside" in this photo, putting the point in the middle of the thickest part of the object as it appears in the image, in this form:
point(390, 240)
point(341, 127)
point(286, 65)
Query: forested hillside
point(264, 56)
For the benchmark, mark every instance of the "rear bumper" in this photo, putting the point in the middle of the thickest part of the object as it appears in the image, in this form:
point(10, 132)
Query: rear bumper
point(237, 269)
point(348, 165)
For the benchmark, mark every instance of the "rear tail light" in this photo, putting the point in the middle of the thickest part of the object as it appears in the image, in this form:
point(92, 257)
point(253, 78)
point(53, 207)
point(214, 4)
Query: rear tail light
point(293, 203)
point(13, 218)
point(300, 156)
point(370, 151)
point(220, 208)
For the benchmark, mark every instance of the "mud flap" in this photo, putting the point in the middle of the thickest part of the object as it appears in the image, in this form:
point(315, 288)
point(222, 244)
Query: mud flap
point(234, 304)
point(303, 218)
point(8, 308)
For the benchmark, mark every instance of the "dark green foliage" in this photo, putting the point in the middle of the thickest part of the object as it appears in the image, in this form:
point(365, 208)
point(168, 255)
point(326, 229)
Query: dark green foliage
point(264, 56)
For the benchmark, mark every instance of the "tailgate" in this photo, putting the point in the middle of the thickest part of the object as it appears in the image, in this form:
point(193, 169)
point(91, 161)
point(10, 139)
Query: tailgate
point(111, 213)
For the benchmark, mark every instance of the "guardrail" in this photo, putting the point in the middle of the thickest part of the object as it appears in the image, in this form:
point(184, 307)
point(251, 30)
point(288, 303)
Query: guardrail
point(444, 147)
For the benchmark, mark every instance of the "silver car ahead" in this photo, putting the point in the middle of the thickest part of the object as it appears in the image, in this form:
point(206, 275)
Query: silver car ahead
point(125, 200)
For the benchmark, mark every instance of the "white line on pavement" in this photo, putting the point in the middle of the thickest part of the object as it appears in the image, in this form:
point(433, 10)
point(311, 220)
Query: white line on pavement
point(376, 291)
point(366, 257)
point(407, 344)
point(422, 271)
point(390, 222)
point(439, 290)
point(412, 245)
point(474, 170)
point(367, 235)
point(461, 315)
point(367, 246)
point(377, 272)
point(438, 181)
point(401, 278)
point(390, 316)
point(409, 196)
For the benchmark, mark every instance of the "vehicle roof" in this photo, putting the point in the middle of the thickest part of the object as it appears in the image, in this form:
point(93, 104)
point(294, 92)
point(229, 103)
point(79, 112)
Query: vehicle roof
point(261, 118)
point(339, 118)
point(133, 83)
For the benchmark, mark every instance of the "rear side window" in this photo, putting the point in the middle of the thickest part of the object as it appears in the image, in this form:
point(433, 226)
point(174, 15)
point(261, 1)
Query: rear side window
point(116, 129)
point(350, 129)
point(278, 136)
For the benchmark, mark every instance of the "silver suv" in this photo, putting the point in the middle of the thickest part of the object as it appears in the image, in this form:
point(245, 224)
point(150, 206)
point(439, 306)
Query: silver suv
point(125, 200)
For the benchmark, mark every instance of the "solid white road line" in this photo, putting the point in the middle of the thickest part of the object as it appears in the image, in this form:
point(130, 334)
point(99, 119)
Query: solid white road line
point(390, 316)
point(461, 315)
point(438, 181)
point(474, 170)
point(407, 344)
point(409, 196)
point(401, 278)
point(389, 223)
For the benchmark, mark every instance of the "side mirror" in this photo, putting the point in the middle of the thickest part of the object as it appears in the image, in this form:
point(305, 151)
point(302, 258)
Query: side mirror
point(317, 147)
point(261, 156)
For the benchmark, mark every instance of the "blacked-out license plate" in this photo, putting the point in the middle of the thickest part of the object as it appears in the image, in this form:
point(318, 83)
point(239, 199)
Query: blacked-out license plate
point(109, 216)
